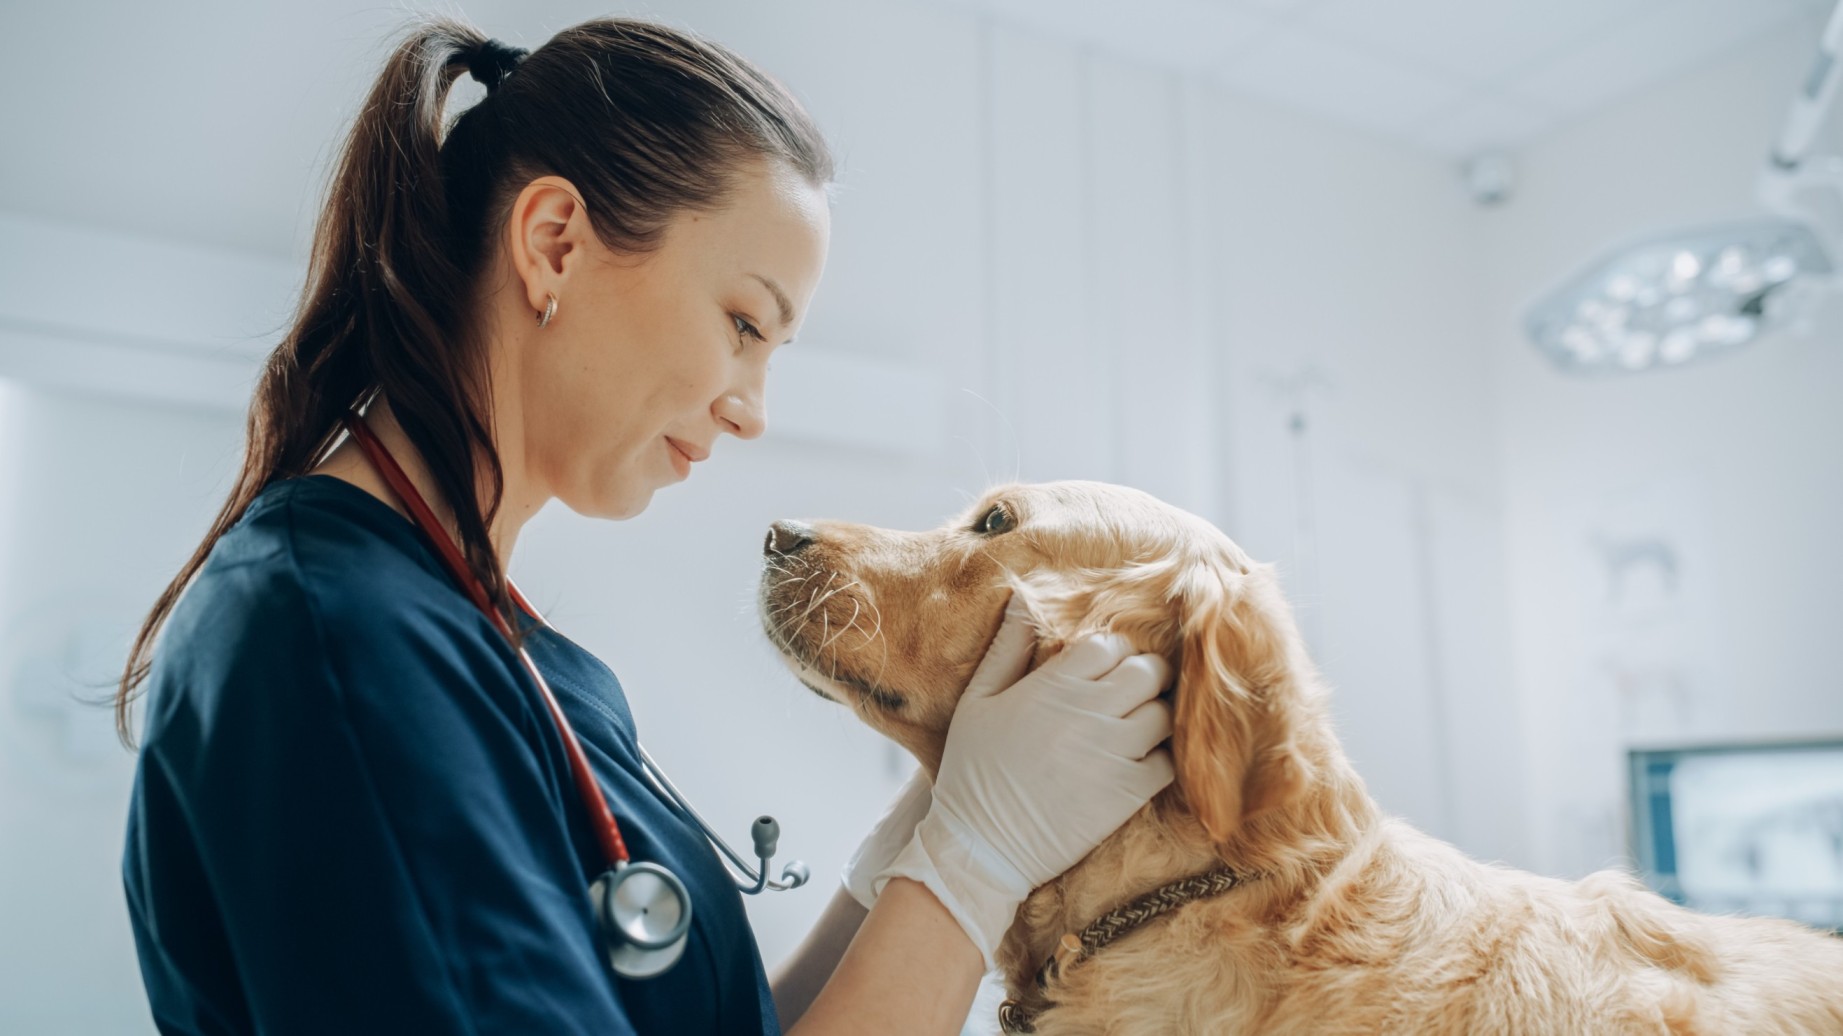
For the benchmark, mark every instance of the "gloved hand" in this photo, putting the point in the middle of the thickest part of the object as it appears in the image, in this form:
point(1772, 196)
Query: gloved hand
point(894, 830)
point(1036, 772)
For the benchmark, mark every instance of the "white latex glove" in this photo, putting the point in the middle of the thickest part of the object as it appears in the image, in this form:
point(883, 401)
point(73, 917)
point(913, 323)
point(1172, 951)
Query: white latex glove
point(1036, 772)
point(894, 830)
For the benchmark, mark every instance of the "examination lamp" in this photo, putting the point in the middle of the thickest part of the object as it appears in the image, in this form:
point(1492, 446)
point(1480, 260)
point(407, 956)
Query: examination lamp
point(1671, 298)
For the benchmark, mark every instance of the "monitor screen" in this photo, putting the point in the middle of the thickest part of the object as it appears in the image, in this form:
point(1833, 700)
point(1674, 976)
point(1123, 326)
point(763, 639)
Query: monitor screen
point(1743, 828)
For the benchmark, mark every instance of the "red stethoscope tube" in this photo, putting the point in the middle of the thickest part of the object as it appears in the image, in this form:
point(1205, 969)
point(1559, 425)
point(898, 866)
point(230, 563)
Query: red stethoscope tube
point(601, 818)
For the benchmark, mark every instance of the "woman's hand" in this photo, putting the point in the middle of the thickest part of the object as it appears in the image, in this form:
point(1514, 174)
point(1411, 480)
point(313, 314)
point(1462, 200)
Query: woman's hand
point(1036, 772)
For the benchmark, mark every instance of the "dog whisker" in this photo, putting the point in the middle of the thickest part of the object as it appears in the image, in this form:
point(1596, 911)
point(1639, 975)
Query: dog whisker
point(842, 630)
point(782, 609)
point(834, 593)
point(798, 623)
point(814, 602)
point(822, 631)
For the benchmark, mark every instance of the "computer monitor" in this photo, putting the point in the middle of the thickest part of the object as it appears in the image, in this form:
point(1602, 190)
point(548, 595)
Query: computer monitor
point(1750, 828)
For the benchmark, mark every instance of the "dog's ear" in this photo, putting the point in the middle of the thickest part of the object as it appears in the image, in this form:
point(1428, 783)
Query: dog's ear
point(1235, 722)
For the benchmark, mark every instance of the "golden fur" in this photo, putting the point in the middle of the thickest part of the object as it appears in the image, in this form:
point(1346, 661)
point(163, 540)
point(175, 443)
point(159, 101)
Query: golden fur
point(1357, 923)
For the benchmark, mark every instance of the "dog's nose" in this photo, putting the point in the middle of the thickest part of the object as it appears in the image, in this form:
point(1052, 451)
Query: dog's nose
point(787, 537)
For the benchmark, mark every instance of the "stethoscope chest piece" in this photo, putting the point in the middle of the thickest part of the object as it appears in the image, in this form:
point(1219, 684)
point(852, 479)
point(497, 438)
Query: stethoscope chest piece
point(644, 914)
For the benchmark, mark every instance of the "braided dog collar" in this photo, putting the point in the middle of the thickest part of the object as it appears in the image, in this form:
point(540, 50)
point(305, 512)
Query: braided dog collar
point(1017, 1017)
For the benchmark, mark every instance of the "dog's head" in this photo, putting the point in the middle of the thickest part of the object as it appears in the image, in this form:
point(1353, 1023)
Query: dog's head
point(894, 623)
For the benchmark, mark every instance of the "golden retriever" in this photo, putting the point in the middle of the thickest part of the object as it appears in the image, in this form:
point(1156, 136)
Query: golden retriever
point(1348, 921)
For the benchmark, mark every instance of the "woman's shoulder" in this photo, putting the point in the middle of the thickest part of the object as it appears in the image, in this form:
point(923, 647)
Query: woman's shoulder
point(317, 529)
point(317, 544)
point(325, 581)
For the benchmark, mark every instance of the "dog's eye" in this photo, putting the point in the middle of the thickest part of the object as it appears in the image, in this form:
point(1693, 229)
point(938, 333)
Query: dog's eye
point(998, 519)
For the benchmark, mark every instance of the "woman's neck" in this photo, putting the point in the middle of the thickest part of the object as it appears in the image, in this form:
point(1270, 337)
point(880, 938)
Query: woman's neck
point(348, 463)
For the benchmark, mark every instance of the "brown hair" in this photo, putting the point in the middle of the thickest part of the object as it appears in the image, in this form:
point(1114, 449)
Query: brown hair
point(645, 120)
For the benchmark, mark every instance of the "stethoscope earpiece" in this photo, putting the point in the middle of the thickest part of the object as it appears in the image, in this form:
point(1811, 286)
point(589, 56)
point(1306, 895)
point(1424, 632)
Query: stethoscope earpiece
point(644, 915)
point(795, 874)
point(766, 833)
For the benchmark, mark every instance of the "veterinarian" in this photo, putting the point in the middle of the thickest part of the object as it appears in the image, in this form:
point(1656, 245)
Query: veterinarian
point(376, 793)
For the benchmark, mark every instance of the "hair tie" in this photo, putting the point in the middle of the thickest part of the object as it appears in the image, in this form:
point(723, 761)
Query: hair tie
point(492, 61)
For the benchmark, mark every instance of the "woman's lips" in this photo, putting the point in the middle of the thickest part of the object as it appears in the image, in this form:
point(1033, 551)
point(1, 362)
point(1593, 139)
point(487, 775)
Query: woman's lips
point(681, 461)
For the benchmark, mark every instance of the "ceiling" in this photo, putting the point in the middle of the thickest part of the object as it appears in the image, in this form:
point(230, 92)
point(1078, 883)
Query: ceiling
point(213, 120)
point(1451, 76)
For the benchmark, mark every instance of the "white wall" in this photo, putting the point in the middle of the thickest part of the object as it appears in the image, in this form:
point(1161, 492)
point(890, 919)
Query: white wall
point(102, 501)
point(1737, 463)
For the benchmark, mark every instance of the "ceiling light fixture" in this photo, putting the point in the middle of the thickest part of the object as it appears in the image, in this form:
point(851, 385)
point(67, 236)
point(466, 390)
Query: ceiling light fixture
point(1671, 298)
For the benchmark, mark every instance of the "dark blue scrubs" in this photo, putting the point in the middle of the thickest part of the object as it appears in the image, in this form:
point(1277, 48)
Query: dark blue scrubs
point(352, 813)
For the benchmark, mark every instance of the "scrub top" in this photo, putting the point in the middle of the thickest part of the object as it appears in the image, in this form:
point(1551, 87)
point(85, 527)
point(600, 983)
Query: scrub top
point(352, 813)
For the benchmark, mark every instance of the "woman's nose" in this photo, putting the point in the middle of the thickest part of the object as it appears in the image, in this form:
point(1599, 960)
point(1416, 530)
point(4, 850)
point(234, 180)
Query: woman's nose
point(745, 418)
point(787, 537)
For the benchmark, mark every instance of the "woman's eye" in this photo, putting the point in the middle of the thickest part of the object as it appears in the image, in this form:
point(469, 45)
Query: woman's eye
point(998, 519)
point(746, 329)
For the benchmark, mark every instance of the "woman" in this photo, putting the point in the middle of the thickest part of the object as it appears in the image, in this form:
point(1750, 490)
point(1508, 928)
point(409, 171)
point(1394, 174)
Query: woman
point(352, 812)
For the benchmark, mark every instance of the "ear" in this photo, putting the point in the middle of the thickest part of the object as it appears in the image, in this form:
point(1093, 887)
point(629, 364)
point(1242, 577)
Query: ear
point(1235, 723)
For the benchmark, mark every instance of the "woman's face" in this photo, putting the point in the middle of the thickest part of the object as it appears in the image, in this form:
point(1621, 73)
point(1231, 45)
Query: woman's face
point(650, 359)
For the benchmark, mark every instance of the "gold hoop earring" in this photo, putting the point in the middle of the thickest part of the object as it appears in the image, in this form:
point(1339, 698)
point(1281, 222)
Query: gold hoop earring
point(550, 310)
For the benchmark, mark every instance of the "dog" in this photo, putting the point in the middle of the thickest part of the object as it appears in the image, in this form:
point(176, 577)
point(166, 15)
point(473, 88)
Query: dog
point(1339, 919)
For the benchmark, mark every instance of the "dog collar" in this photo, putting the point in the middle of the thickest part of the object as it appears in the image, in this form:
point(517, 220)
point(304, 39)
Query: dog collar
point(1014, 1016)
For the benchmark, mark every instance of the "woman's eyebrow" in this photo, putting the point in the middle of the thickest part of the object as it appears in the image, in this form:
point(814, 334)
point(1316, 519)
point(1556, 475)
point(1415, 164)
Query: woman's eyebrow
point(780, 300)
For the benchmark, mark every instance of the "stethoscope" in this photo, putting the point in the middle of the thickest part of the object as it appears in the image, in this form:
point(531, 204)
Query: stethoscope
point(642, 909)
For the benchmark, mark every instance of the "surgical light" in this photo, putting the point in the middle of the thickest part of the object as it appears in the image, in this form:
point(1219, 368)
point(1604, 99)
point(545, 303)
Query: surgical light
point(1671, 298)
point(1676, 297)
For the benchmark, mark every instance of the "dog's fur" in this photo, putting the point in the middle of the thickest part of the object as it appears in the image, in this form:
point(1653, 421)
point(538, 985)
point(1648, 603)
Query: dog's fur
point(1356, 922)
